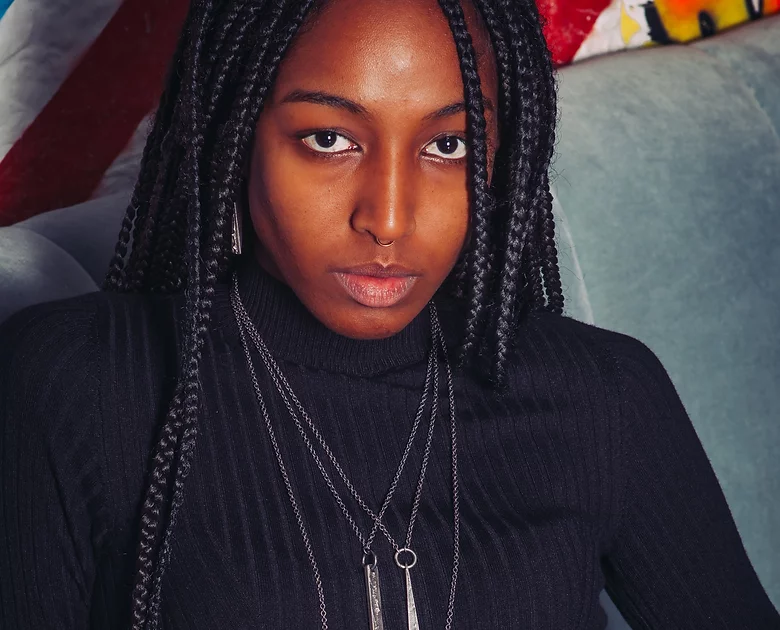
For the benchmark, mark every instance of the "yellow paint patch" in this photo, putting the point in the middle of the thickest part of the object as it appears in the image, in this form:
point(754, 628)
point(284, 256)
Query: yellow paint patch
point(628, 25)
point(681, 17)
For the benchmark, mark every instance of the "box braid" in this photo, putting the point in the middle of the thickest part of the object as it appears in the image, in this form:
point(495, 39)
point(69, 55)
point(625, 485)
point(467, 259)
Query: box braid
point(552, 277)
point(478, 260)
point(519, 206)
point(150, 160)
point(529, 247)
point(176, 232)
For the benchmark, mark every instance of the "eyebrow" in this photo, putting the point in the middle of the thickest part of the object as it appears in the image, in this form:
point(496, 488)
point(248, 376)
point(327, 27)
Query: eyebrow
point(323, 98)
point(458, 108)
point(339, 102)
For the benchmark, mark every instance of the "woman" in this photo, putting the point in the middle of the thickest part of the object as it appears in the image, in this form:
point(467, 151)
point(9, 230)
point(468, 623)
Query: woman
point(329, 384)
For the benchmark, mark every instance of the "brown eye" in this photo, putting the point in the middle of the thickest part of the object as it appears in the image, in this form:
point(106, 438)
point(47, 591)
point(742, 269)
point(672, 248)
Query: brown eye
point(328, 142)
point(447, 147)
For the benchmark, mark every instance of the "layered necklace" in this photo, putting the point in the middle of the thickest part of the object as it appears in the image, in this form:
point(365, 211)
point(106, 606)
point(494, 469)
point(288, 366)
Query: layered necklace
point(405, 558)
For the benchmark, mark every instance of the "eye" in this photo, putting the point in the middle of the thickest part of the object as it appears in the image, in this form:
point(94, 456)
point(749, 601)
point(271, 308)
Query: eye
point(328, 142)
point(447, 148)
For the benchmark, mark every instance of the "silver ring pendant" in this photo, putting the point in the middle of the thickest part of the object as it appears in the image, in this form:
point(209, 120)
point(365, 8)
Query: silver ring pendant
point(412, 622)
point(401, 564)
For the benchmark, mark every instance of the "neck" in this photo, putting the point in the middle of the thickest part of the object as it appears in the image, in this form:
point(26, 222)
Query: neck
point(294, 335)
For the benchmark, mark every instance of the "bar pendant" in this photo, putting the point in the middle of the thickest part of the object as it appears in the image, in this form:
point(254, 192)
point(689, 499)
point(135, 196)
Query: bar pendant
point(374, 596)
point(411, 607)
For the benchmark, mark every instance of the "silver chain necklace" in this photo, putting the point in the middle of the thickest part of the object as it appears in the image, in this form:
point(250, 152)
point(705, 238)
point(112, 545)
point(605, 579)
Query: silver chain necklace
point(247, 327)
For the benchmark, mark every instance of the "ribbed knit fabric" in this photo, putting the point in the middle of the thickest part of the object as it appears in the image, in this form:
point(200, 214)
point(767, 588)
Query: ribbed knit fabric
point(587, 474)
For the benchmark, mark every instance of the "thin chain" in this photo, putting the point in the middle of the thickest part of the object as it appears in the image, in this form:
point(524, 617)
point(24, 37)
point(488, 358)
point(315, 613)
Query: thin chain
point(433, 368)
point(283, 387)
point(427, 453)
point(287, 485)
point(287, 394)
point(455, 483)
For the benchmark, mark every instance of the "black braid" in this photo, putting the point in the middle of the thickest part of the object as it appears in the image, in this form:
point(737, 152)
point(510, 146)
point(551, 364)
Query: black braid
point(186, 136)
point(524, 165)
point(184, 425)
point(550, 270)
point(478, 265)
point(152, 154)
point(154, 518)
point(192, 176)
point(254, 90)
point(529, 222)
point(523, 148)
point(552, 275)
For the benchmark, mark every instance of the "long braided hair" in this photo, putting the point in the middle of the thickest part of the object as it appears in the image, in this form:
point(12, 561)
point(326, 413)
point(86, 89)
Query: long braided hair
point(176, 234)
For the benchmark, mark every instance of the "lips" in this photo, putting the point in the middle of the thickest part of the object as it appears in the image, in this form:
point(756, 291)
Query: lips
point(375, 285)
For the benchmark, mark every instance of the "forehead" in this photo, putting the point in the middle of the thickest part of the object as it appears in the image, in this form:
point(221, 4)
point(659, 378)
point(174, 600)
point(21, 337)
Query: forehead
point(380, 48)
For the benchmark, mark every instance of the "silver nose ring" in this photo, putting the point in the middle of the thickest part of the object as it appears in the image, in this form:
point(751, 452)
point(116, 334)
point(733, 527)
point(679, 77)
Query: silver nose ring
point(382, 243)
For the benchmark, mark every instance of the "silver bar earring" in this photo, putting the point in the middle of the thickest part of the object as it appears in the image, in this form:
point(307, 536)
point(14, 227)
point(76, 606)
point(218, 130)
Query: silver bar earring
point(238, 236)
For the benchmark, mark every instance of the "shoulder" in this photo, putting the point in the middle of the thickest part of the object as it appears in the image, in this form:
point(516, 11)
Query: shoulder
point(570, 340)
point(98, 312)
point(575, 350)
point(81, 382)
point(49, 405)
point(35, 341)
point(626, 369)
point(53, 344)
point(570, 331)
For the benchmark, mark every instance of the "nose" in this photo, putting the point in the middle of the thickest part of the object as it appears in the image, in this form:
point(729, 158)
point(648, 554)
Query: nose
point(384, 208)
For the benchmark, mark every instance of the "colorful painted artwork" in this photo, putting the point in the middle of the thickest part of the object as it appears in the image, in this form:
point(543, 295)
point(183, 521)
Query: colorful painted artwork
point(579, 29)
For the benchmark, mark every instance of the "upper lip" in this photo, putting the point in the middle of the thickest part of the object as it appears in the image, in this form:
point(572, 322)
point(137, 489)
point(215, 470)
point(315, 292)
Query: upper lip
point(379, 270)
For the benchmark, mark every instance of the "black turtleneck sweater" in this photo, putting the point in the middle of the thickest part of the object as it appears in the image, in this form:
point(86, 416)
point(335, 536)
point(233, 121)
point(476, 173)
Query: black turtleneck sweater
point(587, 475)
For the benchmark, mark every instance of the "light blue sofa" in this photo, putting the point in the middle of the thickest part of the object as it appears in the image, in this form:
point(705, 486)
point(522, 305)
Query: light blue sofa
point(668, 205)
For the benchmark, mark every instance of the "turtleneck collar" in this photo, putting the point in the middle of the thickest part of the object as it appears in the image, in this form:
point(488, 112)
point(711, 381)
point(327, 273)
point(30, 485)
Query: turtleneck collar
point(293, 334)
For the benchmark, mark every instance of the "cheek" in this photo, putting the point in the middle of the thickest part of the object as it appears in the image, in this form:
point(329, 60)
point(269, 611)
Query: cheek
point(443, 216)
point(296, 214)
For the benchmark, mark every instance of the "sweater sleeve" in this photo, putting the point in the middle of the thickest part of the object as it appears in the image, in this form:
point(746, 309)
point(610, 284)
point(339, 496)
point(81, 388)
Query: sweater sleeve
point(676, 560)
point(50, 478)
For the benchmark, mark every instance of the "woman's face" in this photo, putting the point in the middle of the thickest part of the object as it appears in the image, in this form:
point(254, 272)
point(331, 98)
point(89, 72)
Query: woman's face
point(362, 140)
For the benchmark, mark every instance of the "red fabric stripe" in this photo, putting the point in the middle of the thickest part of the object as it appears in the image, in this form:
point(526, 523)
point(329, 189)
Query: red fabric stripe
point(61, 158)
point(568, 24)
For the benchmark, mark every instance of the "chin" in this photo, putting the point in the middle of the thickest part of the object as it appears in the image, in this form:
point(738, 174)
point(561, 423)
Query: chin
point(368, 323)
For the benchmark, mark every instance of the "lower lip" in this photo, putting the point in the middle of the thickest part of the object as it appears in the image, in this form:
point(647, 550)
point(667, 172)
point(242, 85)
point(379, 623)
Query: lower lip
point(376, 292)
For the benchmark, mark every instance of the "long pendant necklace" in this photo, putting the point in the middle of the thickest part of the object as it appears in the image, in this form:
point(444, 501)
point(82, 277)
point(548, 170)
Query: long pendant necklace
point(370, 567)
point(405, 558)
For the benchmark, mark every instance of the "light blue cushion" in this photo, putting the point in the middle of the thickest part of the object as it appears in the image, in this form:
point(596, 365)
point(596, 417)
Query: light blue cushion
point(33, 269)
point(87, 231)
point(751, 53)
